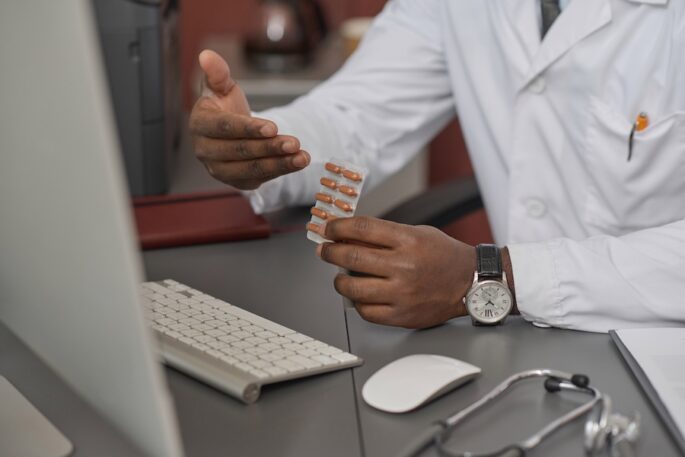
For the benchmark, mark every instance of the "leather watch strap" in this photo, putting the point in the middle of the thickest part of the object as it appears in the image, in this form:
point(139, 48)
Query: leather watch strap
point(489, 261)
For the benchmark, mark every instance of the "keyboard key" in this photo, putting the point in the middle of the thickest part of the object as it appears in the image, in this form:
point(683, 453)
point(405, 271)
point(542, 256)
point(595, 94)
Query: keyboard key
point(253, 328)
point(242, 334)
point(289, 365)
point(305, 362)
point(271, 346)
point(269, 357)
point(258, 320)
point(344, 357)
point(260, 363)
point(256, 351)
point(265, 334)
point(217, 345)
point(325, 360)
point(314, 344)
point(231, 351)
point(283, 352)
point(215, 323)
point(204, 338)
point(307, 352)
point(215, 333)
point(201, 346)
point(165, 321)
point(190, 321)
point(294, 347)
point(275, 371)
point(243, 366)
point(191, 332)
point(245, 357)
point(329, 350)
point(228, 338)
point(255, 340)
point(179, 327)
point(279, 340)
point(241, 344)
point(259, 373)
point(299, 338)
point(228, 359)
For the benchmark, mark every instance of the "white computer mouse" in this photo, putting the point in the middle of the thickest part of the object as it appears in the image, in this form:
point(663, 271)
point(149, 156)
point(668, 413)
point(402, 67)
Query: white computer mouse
point(409, 382)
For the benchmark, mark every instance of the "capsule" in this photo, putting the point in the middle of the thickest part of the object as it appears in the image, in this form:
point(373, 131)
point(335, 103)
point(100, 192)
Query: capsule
point(352, 175)
point(312, 227)
point(318, 212)
point(324, 198)
point(329, 183)
point(333, 168)
point(343, 205)
point(348, 190)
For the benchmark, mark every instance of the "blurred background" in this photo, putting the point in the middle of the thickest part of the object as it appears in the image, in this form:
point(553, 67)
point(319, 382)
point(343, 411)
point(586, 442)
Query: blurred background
point(277, 50)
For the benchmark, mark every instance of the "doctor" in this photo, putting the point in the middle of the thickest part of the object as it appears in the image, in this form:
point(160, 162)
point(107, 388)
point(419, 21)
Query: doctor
point(574, 116)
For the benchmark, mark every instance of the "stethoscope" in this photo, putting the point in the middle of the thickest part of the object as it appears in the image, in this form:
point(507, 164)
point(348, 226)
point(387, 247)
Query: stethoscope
point(604, 430)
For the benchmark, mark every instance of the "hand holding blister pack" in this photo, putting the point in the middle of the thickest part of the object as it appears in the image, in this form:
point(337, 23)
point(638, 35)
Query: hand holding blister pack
point(341, 186)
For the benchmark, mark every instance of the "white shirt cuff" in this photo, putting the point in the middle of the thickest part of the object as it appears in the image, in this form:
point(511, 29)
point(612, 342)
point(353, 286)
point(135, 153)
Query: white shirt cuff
point(537, 284)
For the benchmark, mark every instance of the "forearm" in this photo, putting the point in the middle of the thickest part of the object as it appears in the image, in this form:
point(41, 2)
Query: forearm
point(509, 272)
point(603, 282)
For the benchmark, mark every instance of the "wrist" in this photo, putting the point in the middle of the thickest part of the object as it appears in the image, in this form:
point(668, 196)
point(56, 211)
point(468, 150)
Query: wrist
point(509, 272)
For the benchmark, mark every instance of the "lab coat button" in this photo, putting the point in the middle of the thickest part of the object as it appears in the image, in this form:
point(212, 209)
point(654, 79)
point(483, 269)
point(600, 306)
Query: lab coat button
point(538, 85)
point(535, 208)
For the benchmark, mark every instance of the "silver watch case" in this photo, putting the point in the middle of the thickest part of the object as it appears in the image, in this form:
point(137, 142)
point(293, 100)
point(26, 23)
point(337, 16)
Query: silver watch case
point(476, 285)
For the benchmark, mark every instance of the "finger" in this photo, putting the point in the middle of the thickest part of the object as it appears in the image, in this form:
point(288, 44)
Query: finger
point(365, 229)
point(218, 124)
point(217, 72)
point(356, 258)
point(259, 170)
point(363, 289)
point(214, 149)
point(376, 313)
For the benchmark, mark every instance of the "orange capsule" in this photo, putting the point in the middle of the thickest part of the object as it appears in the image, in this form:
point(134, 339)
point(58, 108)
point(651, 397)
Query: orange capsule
point(312, 227)
point(642, 122)
point(324, 198)
point(348, 190)
point(352, 175)
point(318, 212)
point(333, 168)
point(329, 183)
point(343, 205)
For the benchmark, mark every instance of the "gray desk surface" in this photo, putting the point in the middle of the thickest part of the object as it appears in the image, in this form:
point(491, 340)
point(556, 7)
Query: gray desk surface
point(281, 279)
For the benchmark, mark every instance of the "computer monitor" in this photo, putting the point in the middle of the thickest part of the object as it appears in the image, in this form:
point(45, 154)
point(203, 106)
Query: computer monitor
point(69, 270)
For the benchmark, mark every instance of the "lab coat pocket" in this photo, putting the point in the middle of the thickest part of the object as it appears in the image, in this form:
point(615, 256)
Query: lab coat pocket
point(646, 191)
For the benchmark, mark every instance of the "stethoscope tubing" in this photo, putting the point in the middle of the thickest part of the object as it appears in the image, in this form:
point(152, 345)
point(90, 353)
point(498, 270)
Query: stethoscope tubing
point(438, 433)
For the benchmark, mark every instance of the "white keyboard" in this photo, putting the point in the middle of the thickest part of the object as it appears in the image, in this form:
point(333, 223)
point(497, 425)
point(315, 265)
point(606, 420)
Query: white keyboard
point(227, 347)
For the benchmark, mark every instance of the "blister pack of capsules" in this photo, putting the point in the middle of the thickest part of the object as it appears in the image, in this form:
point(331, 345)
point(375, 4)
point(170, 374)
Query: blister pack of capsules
point(341, 186)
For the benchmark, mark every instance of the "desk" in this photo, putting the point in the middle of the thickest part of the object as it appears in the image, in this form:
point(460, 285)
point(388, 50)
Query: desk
point(281, 279)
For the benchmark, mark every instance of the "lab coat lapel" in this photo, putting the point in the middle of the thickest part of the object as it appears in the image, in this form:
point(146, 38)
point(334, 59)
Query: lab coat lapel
point(519, 31)
point(580, 19)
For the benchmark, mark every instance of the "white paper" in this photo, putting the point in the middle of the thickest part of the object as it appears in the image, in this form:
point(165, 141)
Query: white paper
point(660, 353)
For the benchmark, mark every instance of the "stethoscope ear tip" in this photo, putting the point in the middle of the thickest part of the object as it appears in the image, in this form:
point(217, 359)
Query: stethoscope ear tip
point(580, 380)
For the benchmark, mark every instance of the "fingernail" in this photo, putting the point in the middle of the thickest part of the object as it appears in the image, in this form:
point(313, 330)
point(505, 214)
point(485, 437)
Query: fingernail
point(322, 228)
point(318, 250)
point(289, 146)
point(267, 130)
point(300, 161)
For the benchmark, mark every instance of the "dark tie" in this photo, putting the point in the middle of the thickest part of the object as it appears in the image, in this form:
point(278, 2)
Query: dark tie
point(550, 12)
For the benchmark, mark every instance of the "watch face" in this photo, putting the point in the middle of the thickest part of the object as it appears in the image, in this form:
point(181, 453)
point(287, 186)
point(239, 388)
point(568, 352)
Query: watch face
point(489, 302)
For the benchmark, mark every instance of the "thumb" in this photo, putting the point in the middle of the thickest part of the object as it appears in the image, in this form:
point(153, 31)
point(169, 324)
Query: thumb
point(217, 73)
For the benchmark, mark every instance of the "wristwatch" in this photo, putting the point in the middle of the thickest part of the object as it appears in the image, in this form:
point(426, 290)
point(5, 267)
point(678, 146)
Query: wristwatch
point(489, 299)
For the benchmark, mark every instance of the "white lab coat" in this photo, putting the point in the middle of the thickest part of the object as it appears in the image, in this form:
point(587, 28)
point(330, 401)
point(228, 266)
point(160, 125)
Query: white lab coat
point(597, 241)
